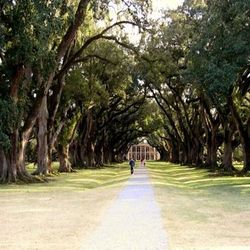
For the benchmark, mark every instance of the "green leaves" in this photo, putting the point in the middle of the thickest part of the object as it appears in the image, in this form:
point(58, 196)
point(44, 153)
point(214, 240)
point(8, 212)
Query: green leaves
point(222, 48)
point(8, 121)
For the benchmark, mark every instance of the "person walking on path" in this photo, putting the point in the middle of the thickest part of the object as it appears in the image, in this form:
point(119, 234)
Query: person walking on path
point(132, 165)
point(143, 162)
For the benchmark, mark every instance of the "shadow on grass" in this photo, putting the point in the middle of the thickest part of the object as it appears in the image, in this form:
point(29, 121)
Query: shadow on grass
point(172, 175)
point(83, 179)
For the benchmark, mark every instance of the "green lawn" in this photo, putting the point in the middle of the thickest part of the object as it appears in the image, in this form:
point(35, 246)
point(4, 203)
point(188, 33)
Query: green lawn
point(167, 174)
point(113, 175)
point(200, 210)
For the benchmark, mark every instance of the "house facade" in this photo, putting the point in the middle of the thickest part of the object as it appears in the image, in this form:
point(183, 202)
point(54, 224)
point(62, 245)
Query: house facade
point(143, 151)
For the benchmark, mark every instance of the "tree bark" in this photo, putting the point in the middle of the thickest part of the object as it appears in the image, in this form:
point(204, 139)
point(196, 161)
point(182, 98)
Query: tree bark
point(4, 166)
point(227, 161)
point(214, 149)
point(87, 146)
point(174, 156)
point(244, 131)
point(246, 154)
point(42, 157)
point(12, 164)
point(211, 126)
point(63, 154)
point(164, 155)
point(99, 154)
point(107, 154)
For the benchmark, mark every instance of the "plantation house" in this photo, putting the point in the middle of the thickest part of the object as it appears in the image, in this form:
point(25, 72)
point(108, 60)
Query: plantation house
point(143, 151)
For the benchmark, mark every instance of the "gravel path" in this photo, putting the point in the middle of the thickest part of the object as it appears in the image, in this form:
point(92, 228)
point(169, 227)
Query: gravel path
point(133, 222)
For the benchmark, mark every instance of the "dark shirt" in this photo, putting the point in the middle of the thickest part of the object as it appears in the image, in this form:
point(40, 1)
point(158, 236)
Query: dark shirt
point(132, 163)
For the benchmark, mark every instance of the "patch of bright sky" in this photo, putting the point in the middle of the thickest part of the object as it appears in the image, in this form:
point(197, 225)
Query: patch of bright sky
point(158, 7)
point(161, 5)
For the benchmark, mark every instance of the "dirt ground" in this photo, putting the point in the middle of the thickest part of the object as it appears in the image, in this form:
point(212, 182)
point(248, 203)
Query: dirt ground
point(205, 221)
point(51, 220)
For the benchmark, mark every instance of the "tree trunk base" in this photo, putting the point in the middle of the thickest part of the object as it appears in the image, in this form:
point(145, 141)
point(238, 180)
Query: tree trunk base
point(22, 178)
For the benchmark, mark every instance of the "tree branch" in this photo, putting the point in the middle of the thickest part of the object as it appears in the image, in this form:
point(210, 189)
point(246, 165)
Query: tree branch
point(91, 40)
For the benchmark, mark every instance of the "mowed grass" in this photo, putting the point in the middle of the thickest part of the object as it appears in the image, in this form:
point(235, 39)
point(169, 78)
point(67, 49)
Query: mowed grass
point(200, 210)
point(190, 178)
point(108, 176)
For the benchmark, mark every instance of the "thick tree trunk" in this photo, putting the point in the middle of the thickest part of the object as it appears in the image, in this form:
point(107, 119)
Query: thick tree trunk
point(198, 155)
point(227, 162)
point(75, 155)
point(99, 154)
point(213, 151)
point(50, 152)
point(4, 166)
point(107, 155)
point(174, 154)
point(227, 157)
point(244, 131)
point(211, 126)
point(42, 157)
point(208, 147)
point(87, 146)
point(63, 154)
point(12, 162)
point(164, 155)
point(246, 153)
point(190, 152)
point(90, 154)
point(212, 147)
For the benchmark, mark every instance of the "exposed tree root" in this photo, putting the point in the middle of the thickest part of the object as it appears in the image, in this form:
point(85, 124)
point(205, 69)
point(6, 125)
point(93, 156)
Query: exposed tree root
point(22, 178)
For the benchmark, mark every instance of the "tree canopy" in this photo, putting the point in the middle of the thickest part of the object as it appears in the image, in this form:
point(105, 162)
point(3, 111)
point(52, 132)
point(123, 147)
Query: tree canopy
point(73, 84)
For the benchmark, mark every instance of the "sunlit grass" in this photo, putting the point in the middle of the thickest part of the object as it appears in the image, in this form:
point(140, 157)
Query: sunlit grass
point(167, 174)
point(113, 175)
point(194, 198)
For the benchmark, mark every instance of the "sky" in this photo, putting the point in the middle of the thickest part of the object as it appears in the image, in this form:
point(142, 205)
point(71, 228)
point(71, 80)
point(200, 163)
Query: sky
point(159, 5)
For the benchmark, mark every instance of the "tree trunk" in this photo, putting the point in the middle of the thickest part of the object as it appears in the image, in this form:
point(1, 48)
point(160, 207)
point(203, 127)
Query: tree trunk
point(190, 152)
point(164, 156)
point(227, 162)
point(246, 147)
point(87, 142)
point(99, 154)
point(42, 157)
point(12, 162)
point(198, 154)
point(90, 155)
point(75, 155)
point(107, 155)
point(213, 150)
point(208, 146)
point(174, 154)
point(63, 154)
point(227, 157)
point(244, 131)
point(211, 159)
point(50, 152)
point(4, 166)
